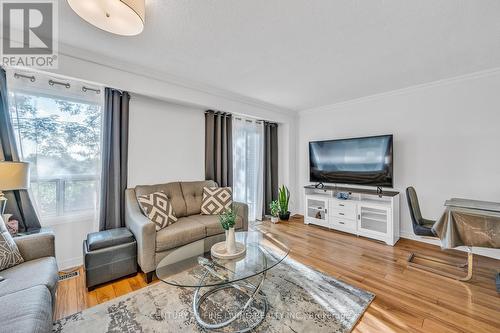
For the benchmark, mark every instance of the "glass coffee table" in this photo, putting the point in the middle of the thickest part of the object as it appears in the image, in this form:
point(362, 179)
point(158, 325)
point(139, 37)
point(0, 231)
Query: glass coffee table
point(228, 294)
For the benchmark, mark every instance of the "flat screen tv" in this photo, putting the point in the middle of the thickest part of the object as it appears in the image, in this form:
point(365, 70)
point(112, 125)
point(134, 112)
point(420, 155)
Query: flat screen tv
point(357, 161)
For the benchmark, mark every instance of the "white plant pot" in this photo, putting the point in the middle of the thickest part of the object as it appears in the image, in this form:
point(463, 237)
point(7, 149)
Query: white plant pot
point(274, 219)
point(230, 241)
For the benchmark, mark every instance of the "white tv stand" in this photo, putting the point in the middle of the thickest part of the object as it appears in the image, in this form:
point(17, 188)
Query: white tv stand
point(365, 213)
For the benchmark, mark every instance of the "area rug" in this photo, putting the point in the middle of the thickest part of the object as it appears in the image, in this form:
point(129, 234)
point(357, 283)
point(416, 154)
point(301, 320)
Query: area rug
point(300, 299)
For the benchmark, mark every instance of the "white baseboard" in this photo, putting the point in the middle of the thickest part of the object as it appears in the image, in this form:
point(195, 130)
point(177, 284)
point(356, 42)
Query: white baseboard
point(69, 263)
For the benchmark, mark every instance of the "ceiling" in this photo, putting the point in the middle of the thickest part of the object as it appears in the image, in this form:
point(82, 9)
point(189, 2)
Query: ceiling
point(301, 54)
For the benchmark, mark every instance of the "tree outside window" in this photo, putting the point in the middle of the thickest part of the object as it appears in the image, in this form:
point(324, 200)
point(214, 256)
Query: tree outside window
point(60, 138)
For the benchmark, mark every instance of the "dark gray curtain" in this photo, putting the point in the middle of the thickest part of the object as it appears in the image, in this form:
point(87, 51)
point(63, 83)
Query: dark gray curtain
point(219, 147)
point(114, 159)
point(19, 203)
point(270, 165)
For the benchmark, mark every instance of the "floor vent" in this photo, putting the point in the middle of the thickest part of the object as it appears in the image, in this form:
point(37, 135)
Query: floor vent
point(65, 276)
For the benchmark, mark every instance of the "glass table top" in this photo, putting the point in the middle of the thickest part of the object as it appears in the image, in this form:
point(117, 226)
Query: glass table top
point(191, 267)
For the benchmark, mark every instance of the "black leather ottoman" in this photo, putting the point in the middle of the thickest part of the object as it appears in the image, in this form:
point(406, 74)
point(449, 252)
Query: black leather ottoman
point(109, 255)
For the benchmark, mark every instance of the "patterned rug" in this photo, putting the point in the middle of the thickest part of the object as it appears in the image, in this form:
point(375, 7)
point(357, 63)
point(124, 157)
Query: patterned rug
point(300, 300)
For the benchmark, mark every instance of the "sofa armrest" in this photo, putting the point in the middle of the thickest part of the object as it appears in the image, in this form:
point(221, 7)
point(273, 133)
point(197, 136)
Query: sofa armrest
point(36, 246)
point(144, 231)
point(242, 211)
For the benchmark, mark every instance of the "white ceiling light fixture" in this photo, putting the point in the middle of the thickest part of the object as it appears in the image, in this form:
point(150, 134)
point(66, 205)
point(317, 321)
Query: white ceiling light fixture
point(121, 17)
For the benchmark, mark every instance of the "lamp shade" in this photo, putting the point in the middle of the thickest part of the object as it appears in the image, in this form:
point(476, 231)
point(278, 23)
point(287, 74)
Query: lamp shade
point(14, 176)
point(121, 17)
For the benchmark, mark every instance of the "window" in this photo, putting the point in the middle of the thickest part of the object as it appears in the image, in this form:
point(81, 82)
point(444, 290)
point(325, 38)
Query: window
point(248, 154)
point(58, 131)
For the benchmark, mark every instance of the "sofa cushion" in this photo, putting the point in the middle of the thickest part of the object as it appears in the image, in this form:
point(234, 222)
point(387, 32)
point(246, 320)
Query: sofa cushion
point(37, 272)
point(173, 192)
point(216, 200)
point(9, 253)
point(26, 311)
point(193, 194)
point(158, 209)
point(212, 224)
point(186, 230)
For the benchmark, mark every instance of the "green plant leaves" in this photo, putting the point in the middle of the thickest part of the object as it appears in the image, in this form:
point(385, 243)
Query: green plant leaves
point(283, 199)
point(274, 206)
point(227, 219)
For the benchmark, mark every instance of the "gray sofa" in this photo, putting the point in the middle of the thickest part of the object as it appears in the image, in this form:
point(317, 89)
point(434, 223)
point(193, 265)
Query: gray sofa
point(192, 229)
point(28, 293)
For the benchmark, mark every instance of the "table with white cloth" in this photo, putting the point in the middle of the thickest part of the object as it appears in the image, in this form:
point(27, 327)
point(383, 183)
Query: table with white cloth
point(469, 223)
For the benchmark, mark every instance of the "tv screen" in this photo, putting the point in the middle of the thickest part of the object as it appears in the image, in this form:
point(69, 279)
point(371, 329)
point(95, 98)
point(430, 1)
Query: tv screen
point(358, 161)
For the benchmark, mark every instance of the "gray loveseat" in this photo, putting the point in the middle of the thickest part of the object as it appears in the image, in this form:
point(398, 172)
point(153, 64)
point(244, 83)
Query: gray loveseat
point(28, 293)
point(197, 231)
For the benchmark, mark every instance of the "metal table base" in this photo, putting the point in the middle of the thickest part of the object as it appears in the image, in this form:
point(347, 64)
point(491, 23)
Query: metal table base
point(253, 292)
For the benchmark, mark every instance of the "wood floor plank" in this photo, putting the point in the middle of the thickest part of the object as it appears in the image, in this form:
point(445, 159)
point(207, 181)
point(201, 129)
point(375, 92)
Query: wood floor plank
point(122, 287)
point(67, 302)
point(81, 292)
point(91, 299)
point(137, 282)
point(433, 326)
point(407, 299)
point(105, 293)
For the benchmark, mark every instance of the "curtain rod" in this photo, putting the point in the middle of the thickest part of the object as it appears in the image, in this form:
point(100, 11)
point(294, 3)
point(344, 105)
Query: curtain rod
point(31, 77)
point(64, 84)
point(227, 114)
point(257, 121)
point(85, 89)
point(51, 82)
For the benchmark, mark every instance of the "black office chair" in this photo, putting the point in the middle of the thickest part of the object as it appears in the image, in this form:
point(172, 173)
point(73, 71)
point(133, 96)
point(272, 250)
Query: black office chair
point(423, 227)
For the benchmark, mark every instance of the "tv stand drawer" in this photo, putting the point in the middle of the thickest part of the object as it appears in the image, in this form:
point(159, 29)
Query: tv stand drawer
point(343, 204)
point(347, 225)
point(343, 210)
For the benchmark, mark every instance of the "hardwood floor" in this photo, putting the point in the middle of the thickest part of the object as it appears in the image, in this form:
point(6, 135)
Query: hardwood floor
point(407, 300)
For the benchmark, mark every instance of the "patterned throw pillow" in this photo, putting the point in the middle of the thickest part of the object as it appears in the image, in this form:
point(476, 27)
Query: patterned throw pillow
point(158, 209)
point(9, 253)
point(216, 200)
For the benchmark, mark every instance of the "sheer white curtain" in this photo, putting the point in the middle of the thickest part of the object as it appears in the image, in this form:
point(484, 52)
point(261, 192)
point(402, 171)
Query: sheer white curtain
point(58, 131)
point(248, 154)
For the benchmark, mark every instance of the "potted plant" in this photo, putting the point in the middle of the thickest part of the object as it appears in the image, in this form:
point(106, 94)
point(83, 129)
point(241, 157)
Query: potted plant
point(274, 206)
point(283, 199)
point(227, 221)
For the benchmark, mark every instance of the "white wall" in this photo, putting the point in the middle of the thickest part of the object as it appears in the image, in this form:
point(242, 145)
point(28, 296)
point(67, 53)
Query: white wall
point(166, 142)
point(69, 239)
point(287, 167)
point(447, 139)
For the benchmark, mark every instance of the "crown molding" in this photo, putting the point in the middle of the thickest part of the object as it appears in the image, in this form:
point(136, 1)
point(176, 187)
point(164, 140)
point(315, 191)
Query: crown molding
point(418, 87)
point(92, 57)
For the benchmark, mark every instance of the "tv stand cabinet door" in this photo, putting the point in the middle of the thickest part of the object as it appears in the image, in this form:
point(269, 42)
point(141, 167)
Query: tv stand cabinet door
point(316, 211)
point(374, 222)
